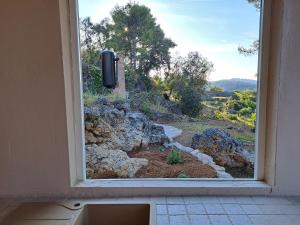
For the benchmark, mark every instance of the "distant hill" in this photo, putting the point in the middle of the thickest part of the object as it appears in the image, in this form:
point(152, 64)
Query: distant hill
point(235, 84)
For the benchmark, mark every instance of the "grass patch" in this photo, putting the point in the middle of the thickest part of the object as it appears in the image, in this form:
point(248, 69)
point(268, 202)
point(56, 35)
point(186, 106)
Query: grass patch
point(199, 127)
point(90, 99)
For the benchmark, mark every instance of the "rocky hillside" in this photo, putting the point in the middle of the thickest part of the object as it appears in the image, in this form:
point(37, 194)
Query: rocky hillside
point(111, 131)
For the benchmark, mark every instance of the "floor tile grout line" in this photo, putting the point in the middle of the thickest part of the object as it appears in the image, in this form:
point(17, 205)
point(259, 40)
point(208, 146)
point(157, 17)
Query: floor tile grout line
point(187, 213)
point(168, 215)
point(241, 215)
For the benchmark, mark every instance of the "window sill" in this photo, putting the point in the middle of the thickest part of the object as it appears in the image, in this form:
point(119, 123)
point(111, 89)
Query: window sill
point(140, 187)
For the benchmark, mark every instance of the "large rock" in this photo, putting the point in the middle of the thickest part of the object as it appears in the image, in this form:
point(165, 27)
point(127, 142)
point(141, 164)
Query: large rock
point(103, 163)
point(225, 150)
point(160, 117)
point(172, 107)
point(112, 127)
point(116, 131)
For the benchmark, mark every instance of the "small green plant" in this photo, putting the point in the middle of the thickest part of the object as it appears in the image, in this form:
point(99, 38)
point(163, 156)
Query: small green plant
point(162, 149)
point(174, 157)
point(183, 175)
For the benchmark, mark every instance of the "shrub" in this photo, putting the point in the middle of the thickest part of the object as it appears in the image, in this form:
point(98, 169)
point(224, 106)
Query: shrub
point(219, 115)
point(146, 102)
point(89, 99)
point(162, 149)
point(174, 157)
point(190, 102)
point(92, 80)
point(246, 111)
point(233, 117)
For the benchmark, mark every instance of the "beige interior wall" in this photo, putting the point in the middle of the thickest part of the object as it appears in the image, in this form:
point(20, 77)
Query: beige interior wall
point(33, 137)
point(287, 179)
point(275, 43)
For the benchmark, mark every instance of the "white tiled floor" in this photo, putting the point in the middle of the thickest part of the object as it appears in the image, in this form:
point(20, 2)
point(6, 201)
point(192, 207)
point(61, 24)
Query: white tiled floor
point(217, 210)
point(228, 211)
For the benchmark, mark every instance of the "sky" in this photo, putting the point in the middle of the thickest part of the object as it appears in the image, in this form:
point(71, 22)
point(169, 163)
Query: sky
point(214, 28)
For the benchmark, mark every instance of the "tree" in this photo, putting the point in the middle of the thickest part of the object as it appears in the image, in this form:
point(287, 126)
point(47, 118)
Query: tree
point(101, 32)
point(192, 71)
point(136, 35)
point(87, 37)
point(256, 3)
point(252, 50)
point(187, 80)
point(86, 28)
point(133, 32)
point(254, 47)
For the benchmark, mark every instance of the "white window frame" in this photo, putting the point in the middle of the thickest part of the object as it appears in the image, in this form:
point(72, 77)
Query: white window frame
point(72, 70)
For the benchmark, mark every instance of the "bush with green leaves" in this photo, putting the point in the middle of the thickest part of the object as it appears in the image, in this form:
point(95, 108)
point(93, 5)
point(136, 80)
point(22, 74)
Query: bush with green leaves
point(186, 81)
point(146, 102)
point(174, 157)
point(190, 102)
point(244, 102)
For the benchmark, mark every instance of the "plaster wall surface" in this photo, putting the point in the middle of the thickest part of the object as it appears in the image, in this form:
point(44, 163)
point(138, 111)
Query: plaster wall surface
point(34, 158)
point(287, 179)
point(33, 136)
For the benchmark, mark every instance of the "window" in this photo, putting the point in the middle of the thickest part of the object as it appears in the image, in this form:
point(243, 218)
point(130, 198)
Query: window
point(185, 103)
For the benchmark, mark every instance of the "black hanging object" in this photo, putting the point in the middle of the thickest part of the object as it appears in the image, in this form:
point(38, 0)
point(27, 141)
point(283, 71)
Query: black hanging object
point(109, 69)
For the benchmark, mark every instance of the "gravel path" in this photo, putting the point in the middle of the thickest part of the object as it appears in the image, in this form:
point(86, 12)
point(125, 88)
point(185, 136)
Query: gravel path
point(173, 132)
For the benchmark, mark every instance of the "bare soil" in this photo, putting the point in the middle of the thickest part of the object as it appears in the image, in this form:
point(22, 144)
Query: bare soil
point(159, 168)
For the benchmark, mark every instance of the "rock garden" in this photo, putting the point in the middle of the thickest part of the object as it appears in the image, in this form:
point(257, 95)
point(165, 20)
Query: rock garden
point(122, 143)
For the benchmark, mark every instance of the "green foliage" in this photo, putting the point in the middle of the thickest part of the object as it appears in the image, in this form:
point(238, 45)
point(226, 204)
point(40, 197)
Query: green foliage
point(256, 3)
point(240, 108)
point(96, 84)
point(92, 78)
point(89, 99)
point(216, 89)
point(252, 50)
point(233, 117)
point(136, 34)
point(190, 101)
point(219, 115)
point(174, 157)
point(183, 175)
point(244, 102)
point(162, 149)
point(187, 80)
point(132, 31)
point(147, 102)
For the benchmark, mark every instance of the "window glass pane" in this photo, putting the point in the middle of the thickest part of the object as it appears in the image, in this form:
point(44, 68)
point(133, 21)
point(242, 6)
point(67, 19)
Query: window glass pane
point(170, 87)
